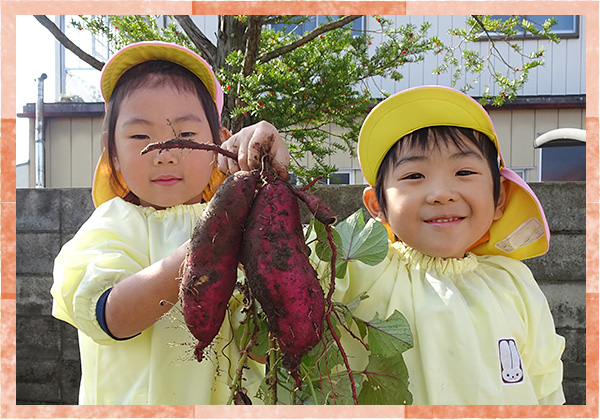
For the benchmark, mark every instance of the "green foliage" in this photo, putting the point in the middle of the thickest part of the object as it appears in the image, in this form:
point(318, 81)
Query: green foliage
point(463, 62)
point(375, 368)
point(325, 378)
point(121, 31)
point(322, 84)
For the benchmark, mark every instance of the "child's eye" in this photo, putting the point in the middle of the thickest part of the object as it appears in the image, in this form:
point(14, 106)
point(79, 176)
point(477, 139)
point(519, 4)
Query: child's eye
point(187, 134)
point(140, 136)
point(413, 176)
point(465, 172)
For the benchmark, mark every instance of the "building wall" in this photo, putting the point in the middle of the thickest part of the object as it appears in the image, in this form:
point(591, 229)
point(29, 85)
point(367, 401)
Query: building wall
point(516, 129)
point(73, 147)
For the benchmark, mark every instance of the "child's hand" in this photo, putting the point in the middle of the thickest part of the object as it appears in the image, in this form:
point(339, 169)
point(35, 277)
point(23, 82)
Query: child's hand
point(247, 144)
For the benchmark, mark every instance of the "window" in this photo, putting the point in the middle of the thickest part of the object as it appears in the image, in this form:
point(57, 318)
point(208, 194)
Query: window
point(566, 26)
point(561, 155)
point(78, 80)
point(337, 178)
point(342, 177)
point(523, 172)
point(312, 22)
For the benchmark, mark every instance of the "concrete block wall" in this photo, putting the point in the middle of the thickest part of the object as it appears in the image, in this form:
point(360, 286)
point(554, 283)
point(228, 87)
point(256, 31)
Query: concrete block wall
point(47, 354)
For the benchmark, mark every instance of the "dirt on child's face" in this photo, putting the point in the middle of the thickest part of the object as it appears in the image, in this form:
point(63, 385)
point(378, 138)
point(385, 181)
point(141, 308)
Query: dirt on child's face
point(173, 176)
point(441, 201)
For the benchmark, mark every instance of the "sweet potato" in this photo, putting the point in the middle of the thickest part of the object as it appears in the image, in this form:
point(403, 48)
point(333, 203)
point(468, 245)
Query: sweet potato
point(316, 207)
point(280, 276)
point(210, 266)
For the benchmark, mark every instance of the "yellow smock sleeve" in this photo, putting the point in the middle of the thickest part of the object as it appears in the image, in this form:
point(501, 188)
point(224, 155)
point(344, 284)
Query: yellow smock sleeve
point(109, 247)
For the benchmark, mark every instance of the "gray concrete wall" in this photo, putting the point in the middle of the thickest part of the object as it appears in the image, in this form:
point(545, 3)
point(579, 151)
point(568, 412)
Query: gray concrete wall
point(47, 351)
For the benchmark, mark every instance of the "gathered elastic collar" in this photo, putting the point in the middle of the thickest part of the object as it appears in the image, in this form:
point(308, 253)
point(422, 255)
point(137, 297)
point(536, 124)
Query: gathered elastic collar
point(420, 261)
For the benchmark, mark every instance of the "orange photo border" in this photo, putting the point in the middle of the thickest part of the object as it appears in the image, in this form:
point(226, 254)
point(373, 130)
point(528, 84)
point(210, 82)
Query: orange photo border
point(8, 11)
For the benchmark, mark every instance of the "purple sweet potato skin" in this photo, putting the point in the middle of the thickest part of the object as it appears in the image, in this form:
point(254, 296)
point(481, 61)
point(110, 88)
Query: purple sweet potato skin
point(279, 273)
point(210, 266)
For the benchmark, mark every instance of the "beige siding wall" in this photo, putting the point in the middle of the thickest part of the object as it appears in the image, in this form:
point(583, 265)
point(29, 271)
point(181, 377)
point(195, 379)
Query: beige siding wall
point(517, 129)
point(562, 74)
point(73, 147)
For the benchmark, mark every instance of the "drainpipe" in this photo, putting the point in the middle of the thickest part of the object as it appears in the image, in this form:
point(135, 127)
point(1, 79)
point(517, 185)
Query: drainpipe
point(39, 135)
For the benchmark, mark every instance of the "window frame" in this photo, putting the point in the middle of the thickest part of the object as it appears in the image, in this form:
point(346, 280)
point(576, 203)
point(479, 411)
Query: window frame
point(528, 36)
point(317, 22)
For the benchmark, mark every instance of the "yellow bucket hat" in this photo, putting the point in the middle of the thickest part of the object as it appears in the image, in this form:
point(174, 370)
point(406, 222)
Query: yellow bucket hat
point(522, 231)
point(125, 59)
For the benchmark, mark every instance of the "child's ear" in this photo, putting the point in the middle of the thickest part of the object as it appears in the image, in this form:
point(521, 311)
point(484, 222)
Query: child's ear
point(372, 204)
point(503, 198)
point(224, 134)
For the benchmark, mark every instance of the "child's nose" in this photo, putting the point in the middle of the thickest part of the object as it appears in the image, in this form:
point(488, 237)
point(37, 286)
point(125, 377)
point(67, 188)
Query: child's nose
point(165, 156)
point(441, 193)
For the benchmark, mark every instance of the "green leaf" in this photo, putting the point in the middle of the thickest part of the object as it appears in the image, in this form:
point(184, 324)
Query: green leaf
point(367, 243)
point(386, 382)
point(354, 240)
point(323, 247)
point(389, 337)
point(338, 390)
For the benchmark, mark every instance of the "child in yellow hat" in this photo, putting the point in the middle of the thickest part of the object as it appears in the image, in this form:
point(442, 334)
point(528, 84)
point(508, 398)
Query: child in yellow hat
point(118, 277)
point(460, 223)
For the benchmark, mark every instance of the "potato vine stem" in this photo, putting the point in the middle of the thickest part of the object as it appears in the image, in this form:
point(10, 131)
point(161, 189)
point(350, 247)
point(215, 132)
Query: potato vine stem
point(246, 343)
point(329, 310)
point(179, 143)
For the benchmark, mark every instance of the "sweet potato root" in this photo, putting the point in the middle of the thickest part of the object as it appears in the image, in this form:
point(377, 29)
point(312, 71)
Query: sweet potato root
point(280, 276)
point(210, 266)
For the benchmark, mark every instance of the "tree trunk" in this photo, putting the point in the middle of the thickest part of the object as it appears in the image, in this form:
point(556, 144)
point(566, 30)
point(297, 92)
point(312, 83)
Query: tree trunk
point(231, 36)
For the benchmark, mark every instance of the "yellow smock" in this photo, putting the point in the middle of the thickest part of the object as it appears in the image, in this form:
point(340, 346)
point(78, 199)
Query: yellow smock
point(157, 366)
point(463, 313)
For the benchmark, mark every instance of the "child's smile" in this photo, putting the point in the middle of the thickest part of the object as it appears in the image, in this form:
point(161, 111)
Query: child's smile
point(445, 221)
point(441, 201)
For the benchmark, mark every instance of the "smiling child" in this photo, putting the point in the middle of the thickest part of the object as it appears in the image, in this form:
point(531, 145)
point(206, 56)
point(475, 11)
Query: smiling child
point(460, 223)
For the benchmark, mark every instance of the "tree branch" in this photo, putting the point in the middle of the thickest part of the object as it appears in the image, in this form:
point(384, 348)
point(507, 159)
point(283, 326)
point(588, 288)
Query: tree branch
point(207, 49)
point(308, 37)
point(491, 40)
point(62, 38)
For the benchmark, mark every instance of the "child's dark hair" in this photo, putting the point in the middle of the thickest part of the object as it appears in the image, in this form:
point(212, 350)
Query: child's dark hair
point(154, 73)
point(436, 137)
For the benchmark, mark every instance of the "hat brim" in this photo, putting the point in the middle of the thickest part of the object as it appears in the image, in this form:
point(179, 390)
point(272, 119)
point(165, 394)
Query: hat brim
point(139, 52)
point(102, 187)
point(411, 110)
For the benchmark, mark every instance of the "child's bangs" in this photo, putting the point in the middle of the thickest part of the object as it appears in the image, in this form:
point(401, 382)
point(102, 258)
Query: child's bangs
point(430, 139)
point(179, 82)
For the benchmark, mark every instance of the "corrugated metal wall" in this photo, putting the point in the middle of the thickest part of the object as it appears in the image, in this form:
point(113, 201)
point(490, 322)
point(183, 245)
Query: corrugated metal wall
point(563, 73)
